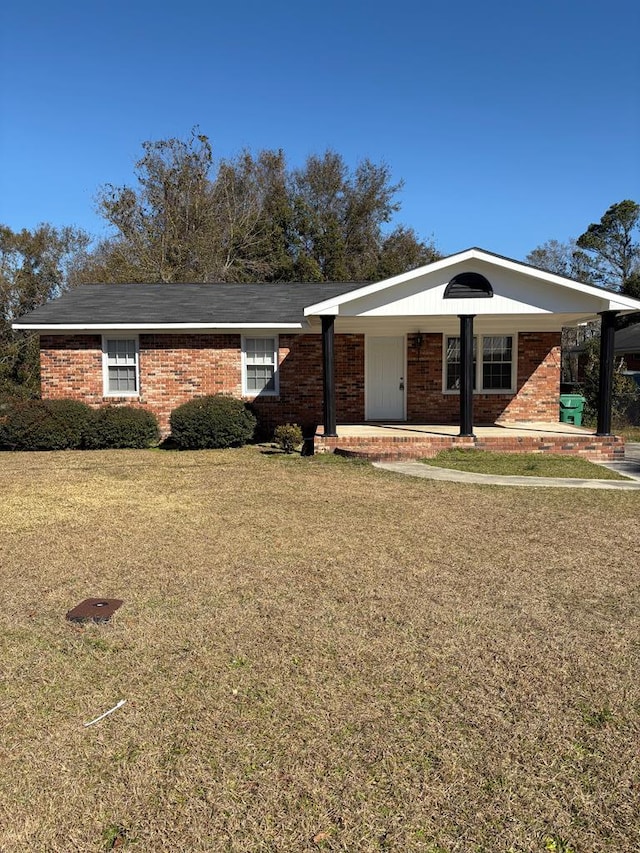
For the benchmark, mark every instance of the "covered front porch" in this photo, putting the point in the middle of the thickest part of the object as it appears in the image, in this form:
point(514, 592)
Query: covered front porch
point(396, 441)
point(472, 341)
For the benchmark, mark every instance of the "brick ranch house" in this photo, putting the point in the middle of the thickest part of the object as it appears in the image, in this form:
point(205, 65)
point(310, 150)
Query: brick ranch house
point(474, 337)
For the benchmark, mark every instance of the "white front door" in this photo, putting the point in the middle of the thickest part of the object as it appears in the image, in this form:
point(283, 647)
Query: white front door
point(385, 379)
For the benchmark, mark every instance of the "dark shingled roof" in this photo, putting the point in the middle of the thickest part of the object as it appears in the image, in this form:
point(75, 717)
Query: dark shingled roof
point(206, 304)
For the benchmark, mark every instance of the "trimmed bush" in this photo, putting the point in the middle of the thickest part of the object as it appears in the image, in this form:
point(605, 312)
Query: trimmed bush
point(288, 437)
point(75, 418)
point(212, 422)
point(121, 426)
point(44, 425)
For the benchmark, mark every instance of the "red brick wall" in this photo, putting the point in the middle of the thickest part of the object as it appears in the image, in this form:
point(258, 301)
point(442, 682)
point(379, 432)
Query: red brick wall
point(175, 368)
point(71, 367)
point(300, 399)
point(538, 384)
point(538, 390)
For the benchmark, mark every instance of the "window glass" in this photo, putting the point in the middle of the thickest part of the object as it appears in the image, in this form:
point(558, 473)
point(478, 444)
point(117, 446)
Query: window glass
point(121, 351)
point(497, 360)
point(260, 365)
point(453, 364)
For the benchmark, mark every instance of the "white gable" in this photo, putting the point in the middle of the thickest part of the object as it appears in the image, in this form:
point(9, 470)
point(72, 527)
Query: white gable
point(517, 289)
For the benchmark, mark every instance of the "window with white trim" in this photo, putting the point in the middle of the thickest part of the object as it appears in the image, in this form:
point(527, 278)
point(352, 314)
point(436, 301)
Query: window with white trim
point(259, 366)
point(120, 366)
point(493, 371)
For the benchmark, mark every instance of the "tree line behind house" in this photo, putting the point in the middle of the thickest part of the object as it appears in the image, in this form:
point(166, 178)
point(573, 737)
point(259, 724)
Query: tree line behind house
point(251, 218)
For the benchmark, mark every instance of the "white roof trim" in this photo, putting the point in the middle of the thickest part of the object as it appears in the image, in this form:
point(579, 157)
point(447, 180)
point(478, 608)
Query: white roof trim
point(143, 327)
point(617, 301)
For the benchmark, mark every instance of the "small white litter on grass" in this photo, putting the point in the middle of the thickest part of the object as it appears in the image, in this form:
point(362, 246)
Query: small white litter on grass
point(106, 713)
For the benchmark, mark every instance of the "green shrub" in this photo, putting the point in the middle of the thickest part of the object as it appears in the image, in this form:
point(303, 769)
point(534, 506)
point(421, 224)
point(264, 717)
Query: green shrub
point(212, 422)
point(288, 437)
point(44, 424)
point(74, 416)
point(122, 426)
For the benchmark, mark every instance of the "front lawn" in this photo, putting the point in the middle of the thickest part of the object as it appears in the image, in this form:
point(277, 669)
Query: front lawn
point(522, 464)
point(315, 655)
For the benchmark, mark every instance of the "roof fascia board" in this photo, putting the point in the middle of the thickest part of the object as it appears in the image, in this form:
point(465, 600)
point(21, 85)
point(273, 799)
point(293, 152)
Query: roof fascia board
point(328, 308)
point(616, 299)
point(155, 327)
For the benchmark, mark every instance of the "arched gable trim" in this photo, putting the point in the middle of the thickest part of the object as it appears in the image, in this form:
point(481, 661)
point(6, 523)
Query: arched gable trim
point(467, 285)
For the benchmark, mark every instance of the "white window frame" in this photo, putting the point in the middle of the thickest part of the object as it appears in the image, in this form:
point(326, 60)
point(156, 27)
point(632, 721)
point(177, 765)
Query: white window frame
point(106, 392)
point(479, 389)
point(275, 392)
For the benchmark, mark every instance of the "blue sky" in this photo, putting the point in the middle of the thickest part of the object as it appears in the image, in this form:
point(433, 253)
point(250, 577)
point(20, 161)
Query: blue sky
point(510, 122)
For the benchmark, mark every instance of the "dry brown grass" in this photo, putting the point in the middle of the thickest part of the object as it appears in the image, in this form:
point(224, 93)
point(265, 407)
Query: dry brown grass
point(316, 656)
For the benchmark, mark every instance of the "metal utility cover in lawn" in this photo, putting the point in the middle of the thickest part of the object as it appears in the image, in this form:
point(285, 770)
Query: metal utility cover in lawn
point(94, 610)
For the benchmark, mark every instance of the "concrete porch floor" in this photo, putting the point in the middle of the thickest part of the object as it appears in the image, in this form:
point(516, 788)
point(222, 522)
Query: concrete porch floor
point(399, 430)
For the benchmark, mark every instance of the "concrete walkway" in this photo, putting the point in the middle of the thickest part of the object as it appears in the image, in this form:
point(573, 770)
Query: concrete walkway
point(632, 450)
point(630, 468)
point(631, 465)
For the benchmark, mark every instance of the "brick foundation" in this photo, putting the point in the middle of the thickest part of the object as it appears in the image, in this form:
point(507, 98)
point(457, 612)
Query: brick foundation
point(392, 448)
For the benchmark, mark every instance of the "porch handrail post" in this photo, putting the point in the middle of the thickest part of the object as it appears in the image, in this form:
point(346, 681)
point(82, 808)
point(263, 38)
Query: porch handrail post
point(328, 375)
point(605, 380)
point(466, 375)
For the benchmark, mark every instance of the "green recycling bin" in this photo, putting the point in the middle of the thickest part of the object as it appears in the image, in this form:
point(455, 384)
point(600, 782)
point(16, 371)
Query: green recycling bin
point(571, 408)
